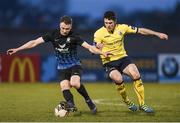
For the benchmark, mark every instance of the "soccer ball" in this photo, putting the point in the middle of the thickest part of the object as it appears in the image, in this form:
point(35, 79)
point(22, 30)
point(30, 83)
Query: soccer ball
point(59, 111)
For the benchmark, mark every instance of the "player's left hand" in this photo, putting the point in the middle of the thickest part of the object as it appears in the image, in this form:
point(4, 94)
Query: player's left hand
point(163, 36)
point(100, 46)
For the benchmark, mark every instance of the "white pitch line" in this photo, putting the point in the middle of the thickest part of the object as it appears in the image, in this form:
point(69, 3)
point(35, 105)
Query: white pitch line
point(108, 102)
point(111, 102)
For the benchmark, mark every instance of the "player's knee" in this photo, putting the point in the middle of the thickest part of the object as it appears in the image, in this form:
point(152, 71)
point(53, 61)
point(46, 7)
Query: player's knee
point(136, 76)
point(117, 79)
point(75, 84)
point(116, 76)
point(64, 86)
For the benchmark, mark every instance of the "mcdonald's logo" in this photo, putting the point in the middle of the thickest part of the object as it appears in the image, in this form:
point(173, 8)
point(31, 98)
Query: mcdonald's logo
point(22, 65)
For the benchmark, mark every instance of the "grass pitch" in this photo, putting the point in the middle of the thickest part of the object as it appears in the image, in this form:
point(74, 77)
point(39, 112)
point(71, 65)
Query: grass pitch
point(36, 103)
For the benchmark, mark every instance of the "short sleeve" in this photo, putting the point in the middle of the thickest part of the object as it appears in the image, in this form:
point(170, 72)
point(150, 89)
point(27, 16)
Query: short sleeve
point(131, 29)
point(78, 39)
point(97, 37)
point(47, 37)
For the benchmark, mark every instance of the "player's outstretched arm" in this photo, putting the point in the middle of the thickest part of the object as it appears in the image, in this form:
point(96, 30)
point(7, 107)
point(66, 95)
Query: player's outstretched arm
point(27, 45)
point(95, 50)
point(145, 31)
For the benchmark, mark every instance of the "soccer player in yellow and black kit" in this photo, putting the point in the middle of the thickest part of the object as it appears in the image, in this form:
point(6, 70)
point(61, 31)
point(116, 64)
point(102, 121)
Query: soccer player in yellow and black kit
point(110, 38)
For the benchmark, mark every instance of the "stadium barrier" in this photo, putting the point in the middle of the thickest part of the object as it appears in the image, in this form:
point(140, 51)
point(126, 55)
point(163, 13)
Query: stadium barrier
point(169, 68)
point(33, 68)
point(20, 68)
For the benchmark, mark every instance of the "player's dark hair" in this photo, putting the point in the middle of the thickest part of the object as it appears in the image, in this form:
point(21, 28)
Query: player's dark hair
point(66, 19)
point(110, 15)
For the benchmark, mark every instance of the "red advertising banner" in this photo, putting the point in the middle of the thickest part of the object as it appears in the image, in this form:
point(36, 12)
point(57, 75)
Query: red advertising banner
point(0, 68)
point(20, 68)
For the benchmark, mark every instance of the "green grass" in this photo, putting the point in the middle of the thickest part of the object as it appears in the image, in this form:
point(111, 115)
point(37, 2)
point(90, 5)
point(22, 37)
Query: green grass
point(36, 102)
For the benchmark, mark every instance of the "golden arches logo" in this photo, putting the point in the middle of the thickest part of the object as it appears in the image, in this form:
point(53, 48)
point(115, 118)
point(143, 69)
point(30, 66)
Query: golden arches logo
point(21, 64)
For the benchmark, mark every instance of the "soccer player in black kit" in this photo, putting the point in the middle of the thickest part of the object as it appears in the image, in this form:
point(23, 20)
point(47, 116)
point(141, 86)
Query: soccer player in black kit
point(65, 43)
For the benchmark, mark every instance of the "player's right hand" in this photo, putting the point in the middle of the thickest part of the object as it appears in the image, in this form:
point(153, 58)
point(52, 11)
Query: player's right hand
point(11, 51)
point(107, 54)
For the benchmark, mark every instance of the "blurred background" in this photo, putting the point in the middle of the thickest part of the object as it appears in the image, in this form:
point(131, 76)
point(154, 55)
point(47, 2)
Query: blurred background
point(24, 20)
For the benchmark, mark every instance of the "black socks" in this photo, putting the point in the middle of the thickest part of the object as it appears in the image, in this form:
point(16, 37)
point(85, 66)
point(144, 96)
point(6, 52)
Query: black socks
point(83, 92)
point(68, 97)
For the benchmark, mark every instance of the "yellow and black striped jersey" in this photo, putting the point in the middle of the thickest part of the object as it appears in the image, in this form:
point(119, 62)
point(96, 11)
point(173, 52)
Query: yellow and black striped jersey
point(113, 42)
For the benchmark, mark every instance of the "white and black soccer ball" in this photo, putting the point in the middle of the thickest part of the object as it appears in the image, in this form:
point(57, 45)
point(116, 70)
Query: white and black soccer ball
point(59, 111)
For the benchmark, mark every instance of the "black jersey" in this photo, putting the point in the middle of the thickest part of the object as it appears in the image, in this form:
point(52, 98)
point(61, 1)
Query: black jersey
point(65, 48)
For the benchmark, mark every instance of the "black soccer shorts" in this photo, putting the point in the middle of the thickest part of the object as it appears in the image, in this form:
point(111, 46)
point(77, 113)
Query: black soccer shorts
point(119, 65)
point(66, 74)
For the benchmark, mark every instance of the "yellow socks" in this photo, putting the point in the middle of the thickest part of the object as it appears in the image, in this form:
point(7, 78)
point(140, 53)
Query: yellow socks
point(139, 89)
point(122, 91)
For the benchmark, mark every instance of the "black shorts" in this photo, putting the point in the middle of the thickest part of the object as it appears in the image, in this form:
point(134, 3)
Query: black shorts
point(67, 73)
point(119, 64)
